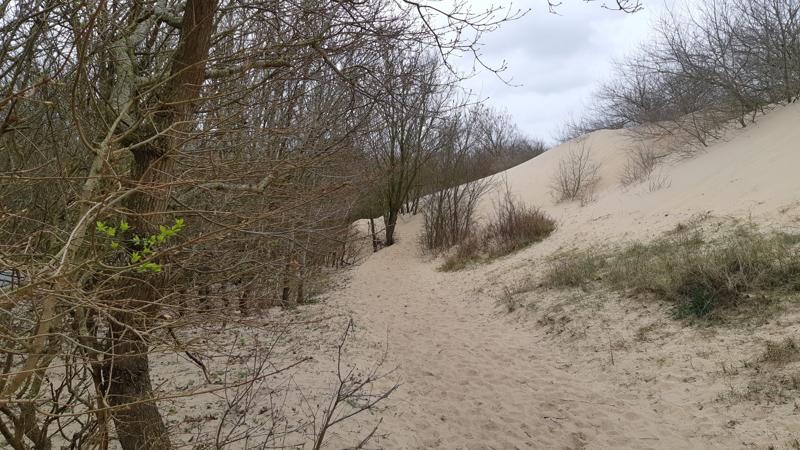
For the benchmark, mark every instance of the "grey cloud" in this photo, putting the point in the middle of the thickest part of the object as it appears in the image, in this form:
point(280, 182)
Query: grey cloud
point(556, 61)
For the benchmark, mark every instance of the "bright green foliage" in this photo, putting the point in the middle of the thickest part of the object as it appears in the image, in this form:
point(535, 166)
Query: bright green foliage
point(146, 246)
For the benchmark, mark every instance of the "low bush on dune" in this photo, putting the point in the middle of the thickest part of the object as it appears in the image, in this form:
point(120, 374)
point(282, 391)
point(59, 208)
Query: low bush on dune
point(742, 268)
point(577, 175)
point(517, 225)
point(514, 226)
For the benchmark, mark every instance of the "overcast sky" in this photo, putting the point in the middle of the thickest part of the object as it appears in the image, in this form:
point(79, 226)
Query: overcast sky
point(555, 61)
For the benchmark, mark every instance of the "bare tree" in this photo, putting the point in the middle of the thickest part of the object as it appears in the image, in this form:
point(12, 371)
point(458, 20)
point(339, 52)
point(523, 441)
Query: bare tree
point(405, 135)
point(457, 184)
point(717, 62)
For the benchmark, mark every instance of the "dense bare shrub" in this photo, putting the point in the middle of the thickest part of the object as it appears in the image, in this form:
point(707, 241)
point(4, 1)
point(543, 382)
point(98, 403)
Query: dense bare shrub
point(577, 175)
point(449, 214)
point(516, 225)
point(513, 227)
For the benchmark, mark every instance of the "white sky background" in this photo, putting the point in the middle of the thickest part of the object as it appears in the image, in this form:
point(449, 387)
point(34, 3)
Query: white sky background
point(555, 61)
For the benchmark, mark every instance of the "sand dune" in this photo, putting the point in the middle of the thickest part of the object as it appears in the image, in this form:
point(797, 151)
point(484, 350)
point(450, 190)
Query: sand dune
point(750, 172)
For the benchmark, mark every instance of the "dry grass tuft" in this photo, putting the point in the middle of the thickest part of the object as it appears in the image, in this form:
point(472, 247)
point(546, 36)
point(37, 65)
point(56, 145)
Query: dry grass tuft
point(742, 268)
point(575, 269)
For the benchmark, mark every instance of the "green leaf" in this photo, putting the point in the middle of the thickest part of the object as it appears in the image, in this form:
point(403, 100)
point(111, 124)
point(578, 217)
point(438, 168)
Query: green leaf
point(115, 245)
point(135, 257)
point(123, 226)
point(149, 267)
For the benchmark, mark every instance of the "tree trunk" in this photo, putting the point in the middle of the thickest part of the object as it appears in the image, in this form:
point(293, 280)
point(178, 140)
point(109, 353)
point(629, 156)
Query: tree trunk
point(301, 296)
point(138, 425)
point(375, 240)
point(127, 371)
point(391, 222)
point(244, 299)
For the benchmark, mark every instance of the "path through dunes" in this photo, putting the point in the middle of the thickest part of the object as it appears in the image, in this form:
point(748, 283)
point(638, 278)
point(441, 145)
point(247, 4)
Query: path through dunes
point(470, 379)
point(475, 377)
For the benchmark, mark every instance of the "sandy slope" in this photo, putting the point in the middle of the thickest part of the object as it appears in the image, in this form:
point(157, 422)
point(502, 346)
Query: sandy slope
point(751, 172)
point(472, 380)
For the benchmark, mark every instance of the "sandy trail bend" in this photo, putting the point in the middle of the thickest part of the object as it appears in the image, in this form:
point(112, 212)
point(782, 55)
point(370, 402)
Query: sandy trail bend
point(471, 379)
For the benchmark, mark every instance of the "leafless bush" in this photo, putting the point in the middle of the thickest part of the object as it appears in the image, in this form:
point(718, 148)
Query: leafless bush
point(658, 180)
point(354, 393)
point(449, 214)
point(577, 175)
point(711, 65)
point(514, 226)
point(642, 161)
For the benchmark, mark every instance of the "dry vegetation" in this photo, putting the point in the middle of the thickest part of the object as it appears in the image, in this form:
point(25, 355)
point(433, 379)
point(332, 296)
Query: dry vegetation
point(782, 352)
point(577, 175)
point(167, 166)
point(709, 66)
point(741, 270)
point(642, 165)
point(513, 227)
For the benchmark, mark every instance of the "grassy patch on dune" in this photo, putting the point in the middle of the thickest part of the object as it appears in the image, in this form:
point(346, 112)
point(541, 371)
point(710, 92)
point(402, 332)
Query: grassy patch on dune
point(742, 268)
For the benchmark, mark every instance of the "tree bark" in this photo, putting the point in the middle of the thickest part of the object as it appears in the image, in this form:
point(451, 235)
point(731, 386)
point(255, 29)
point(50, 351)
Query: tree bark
point(127, 371)
point(375, 241)
point(391, 222)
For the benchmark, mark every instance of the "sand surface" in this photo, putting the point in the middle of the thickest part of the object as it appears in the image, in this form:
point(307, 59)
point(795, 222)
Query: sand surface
point(569, 369)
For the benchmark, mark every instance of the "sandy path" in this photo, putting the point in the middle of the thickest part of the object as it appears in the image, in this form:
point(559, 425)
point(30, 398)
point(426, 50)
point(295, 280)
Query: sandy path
point(471, 379)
